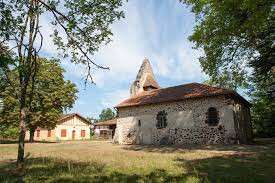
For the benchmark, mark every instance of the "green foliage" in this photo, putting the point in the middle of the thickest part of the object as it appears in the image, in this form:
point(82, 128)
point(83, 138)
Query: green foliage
point(8, 131)
point(91, 119)
point(263, 110)
point(52, 95)
point(79, 28)
point(92, 133)
point(236, 36)
point(107, 114)
point(228, 80)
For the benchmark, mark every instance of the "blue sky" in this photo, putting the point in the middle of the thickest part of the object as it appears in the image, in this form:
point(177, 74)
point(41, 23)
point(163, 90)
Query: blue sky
point(157, 30)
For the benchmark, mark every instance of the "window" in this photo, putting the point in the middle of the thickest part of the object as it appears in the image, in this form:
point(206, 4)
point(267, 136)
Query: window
point(161, 119)
point(49, 133)
point(82, 133)
point(63, 133)
point(212, 118)
point(139, 122)
point(37, 133)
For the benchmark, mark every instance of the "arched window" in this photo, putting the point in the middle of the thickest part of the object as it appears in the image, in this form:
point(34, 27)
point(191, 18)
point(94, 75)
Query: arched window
point(161, 119)
point(212, 116)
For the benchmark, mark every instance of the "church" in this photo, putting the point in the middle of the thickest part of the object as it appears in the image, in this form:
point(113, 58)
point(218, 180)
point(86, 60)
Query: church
point(186, 114)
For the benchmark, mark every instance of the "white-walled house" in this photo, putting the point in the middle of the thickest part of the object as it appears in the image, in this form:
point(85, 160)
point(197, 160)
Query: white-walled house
point(70, 127)
point(186, 114)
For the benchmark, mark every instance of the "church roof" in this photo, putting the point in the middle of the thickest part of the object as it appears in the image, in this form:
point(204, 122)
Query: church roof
point(150, 81)
point(106, 123)
point(176, 93)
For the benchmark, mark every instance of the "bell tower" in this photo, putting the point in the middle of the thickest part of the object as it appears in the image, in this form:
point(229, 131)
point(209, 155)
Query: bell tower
point(145, 79)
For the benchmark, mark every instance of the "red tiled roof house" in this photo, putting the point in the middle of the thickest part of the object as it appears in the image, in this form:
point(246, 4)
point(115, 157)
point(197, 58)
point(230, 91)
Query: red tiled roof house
point(187, 114)
point(70, 127)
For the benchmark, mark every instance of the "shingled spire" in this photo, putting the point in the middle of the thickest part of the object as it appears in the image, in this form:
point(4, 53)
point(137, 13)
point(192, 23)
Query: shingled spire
point(145, 79)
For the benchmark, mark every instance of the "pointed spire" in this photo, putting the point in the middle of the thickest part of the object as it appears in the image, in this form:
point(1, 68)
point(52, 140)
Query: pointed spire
point(145, 79)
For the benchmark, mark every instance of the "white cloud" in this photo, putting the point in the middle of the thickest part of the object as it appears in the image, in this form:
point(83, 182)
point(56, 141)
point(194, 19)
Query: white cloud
point(149, 30)
point(157, 30)
point(112, 98)
point(144, 33)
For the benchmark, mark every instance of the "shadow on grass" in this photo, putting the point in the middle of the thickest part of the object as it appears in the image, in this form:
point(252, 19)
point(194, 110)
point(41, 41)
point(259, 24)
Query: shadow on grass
point(54, 170)
point(229, 168)
point(234, 168)
point(260, 145)
point(258, 166)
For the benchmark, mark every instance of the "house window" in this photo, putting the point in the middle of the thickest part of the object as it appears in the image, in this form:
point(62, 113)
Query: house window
point(37, 133)
point(63, 133)
point(82, 133)
point(161, 119)
point(212, 117)
point(49, 133)
point(139, 122)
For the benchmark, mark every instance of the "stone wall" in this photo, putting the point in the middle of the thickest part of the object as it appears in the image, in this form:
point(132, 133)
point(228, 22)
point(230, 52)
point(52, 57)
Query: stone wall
point(198, 135)
point(185, 123)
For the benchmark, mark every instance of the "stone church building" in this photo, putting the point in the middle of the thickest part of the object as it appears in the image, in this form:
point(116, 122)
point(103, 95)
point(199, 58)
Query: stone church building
point(186, 114)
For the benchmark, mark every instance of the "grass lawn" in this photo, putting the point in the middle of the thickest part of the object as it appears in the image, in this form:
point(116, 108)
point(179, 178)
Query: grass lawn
point(99, 161)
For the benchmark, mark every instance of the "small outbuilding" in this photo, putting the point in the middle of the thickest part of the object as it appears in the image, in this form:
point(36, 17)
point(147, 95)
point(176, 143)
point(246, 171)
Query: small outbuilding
point(70, 127)
point(105, 129)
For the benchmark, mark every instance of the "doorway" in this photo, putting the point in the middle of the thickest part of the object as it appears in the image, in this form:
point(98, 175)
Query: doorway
point(73, 135)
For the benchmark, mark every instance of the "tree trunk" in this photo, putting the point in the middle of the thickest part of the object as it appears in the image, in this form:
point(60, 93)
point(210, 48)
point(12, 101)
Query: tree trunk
point(32, 130)
point(22, 125)
point(21, 142)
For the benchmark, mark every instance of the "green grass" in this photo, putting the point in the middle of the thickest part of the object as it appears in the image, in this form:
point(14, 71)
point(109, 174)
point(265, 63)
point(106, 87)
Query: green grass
point(99, 161)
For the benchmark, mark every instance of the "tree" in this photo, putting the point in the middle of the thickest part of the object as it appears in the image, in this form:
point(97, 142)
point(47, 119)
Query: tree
point(229, 81)
point(236, 36)
point(91, 119)
point(52, 95)
point(262, 111)
point(80, 28)
point(106, 114)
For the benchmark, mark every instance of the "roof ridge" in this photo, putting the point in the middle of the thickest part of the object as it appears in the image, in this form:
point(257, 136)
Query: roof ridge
point(178, 92)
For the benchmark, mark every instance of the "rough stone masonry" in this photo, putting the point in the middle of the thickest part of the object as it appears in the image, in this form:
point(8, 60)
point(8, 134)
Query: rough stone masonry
point(186, 114)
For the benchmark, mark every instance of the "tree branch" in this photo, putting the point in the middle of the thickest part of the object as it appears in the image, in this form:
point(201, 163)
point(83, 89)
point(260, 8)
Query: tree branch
point(55, 12)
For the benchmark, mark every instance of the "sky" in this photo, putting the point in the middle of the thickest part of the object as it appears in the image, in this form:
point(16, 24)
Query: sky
point(157, 30)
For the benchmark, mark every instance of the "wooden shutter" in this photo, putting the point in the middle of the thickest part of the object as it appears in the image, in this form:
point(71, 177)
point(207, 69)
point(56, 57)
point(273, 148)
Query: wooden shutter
point(49, 133)
point(82, 133)
point(63, 133)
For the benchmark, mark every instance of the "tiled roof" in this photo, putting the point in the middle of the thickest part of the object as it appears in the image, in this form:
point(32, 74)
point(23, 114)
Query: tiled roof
point(181, 92)
point(106, 123)
point(150, 81)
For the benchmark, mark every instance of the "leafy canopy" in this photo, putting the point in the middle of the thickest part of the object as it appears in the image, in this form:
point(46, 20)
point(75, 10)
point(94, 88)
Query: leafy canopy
point(237, 37)
point(263, 110)
point(107, 114)
point(79, 28)
point(52, 95)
